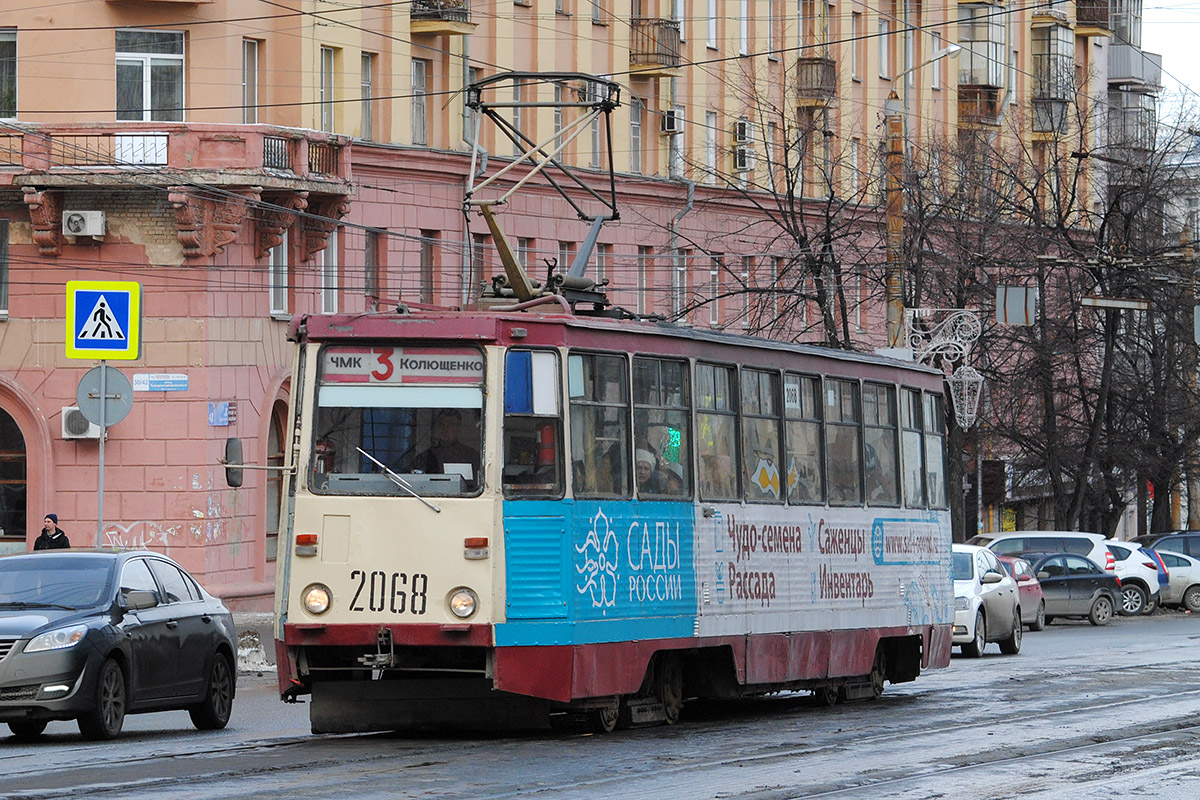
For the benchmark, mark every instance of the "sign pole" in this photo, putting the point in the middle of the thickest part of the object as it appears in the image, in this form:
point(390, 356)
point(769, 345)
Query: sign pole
point(103, 435)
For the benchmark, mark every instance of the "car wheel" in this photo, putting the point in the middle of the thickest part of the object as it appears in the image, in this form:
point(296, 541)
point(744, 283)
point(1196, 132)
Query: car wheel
point(1039, 621)
point(1102, 611)
point(1191, 599)
point(1012, 645)
point(1133, 600)
point(26, 730)
point(107, 714)
point(974, 648)
point(213, 712)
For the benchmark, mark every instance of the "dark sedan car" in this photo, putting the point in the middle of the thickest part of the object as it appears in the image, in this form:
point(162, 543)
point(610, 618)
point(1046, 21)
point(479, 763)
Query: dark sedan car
point(1074, 586)
point(94, 635)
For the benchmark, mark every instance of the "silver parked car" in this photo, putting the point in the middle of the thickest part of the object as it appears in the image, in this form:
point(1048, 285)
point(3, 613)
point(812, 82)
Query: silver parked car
point(1184, 586)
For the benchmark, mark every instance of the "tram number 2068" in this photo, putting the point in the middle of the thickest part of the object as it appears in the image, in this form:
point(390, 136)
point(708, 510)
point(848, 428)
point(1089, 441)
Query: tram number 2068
point(397, 592)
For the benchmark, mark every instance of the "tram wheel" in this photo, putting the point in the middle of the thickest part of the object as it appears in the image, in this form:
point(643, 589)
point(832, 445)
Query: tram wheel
point(603, 720)
point(878, 674)
point(670, 687)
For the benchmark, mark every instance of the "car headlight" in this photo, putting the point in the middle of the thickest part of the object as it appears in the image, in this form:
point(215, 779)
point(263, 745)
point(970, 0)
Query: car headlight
point(57, 640)
point(317, 598)
point(463, 602)
point(961, 604)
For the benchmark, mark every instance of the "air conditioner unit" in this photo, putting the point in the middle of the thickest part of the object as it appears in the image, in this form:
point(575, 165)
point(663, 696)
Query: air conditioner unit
point(743, 131)
point(743, 159)
point(76, 426)
point(672, 121)
point(83, 223)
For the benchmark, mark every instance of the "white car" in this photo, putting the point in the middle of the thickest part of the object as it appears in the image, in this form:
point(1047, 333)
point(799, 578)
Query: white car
point(986, 603)
point(1184, 574)
point(1139, 577)
point(1025, 543)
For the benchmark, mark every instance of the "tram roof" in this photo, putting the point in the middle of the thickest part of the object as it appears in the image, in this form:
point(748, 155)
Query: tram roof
point(552, 330)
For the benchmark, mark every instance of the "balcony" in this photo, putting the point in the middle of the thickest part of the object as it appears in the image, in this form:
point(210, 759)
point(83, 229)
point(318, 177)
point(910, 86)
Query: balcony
point(213, 176)
point(440, 17)
point(653, 48)
point(816, 81)
point(1091, 18)
point(979, 105)
point(1129, 66)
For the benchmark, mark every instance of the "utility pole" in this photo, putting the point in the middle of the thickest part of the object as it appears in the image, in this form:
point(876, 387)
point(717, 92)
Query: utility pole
point(895, 221)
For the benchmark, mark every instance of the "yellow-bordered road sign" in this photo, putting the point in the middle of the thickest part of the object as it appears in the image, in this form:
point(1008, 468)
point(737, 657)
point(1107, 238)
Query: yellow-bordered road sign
point(104, 319)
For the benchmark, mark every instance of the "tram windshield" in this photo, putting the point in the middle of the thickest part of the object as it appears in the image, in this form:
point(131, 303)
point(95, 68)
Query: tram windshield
point(398, 420)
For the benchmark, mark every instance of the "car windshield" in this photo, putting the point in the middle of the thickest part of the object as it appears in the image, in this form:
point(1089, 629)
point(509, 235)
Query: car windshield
point(46, 581)
point(962, 566)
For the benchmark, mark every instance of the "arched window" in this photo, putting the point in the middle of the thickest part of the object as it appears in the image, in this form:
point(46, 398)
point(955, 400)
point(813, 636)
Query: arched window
point(275, 439)
point(12, 485)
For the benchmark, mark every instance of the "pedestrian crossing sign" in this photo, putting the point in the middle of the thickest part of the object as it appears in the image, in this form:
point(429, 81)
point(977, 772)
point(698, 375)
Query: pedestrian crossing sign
point(104, 319)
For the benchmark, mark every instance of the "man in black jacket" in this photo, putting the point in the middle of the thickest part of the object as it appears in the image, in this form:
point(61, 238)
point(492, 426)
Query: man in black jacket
point(52, 536)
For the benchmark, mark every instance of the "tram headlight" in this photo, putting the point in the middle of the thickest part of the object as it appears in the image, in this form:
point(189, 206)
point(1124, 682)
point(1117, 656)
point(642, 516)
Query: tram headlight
point(317, 598)
point(463, 602)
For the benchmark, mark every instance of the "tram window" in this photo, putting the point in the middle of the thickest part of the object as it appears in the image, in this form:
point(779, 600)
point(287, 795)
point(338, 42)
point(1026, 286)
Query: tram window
point(599, 393)
point(716, 431)
point(912, 447)
point(805, 467)
point(661, 417)
point(760, 435)
point(390, 414)
point(879, 445)
point(532, 425)
point(842, 435)
point(935, 452)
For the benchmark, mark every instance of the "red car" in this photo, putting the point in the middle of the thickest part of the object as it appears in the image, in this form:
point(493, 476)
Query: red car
point(1033, 605)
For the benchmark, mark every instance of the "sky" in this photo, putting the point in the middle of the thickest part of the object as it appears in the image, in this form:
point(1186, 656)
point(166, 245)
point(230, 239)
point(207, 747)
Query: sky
point(1171, 28)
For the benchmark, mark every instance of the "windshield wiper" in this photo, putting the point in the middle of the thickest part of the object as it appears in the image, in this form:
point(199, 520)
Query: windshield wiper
point(22, 604)
point(396, 479)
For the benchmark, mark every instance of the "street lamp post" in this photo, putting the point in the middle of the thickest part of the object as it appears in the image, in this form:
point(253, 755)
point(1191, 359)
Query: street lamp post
point(897, 150)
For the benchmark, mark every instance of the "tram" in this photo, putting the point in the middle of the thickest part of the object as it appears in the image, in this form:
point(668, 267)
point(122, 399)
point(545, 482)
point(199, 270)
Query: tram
point(512, 518)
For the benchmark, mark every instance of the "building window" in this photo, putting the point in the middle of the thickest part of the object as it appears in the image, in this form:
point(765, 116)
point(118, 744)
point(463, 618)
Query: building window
point(149, 75)
point(885, 48)
point(772, 17)
point(566, 253)
point(744, 28)
point(598, 12)
point(328, 59)
point(278, 271)
point(274, 478)
point(469, 113)
point(420, 74)
point(478, 266)
point(675, 163)
point(679, 281)
point(643, 277)
point(714, 292)
point(13, 480)
point(712, 24)
point(524, 251)
point(250, 81)
point(371, 262)
point(603, 258)
point(855, 177)
point(679, 14)
point(558, 114)
point(428, 264)
point(594, 89)
point(710, 147)
point(8, 73)
point(856, 34)
point(636, 112)
point(935, 76)
point(367, 124)
point(329, 275)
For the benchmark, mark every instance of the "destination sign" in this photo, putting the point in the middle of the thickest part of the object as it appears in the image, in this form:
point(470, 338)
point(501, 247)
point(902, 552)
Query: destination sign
point(402, 365)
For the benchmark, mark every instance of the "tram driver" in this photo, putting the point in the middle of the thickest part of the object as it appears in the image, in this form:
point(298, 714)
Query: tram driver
point(447, 453)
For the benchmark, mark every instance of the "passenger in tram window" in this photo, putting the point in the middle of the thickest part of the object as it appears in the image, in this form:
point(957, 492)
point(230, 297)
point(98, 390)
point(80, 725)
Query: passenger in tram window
point(650, 478)
point(676, 485)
